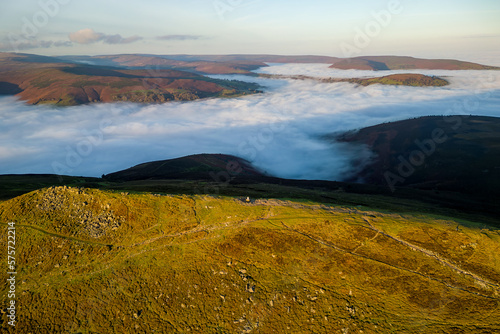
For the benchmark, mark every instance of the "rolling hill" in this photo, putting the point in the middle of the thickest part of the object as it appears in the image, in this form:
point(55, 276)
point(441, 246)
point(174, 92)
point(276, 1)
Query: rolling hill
point(209, 244)
point(381, 63)
point(412, 79)
point(48, 80)
point(210, 64)
point(73, 80)
point(243, 64)
point(91, 261)
point(406, 79)
point(194, 167)
point(454, 153)
point(162, 62)
point(219, 174)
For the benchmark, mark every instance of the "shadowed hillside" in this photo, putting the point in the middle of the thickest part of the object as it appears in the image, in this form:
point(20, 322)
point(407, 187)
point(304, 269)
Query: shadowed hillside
point(457, 153)
point(194, 167)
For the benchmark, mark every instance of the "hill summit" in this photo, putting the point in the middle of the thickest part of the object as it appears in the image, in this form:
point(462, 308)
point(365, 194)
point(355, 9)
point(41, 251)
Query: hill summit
point(193, 167)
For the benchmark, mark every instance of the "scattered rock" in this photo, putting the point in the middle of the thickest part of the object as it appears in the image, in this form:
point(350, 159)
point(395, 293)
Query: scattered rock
point(76, 205)
point(250, 288)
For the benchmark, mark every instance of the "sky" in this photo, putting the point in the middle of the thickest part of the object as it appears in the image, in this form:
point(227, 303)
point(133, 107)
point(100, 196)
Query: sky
point(289, 120)
point(460, 29)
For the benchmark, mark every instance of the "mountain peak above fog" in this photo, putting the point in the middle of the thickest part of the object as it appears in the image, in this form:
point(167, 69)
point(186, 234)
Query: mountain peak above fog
point(381, 63)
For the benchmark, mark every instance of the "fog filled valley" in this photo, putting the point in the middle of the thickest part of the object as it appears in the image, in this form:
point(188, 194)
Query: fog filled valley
point(281, 131)
point(291, 198)
point(250, 167)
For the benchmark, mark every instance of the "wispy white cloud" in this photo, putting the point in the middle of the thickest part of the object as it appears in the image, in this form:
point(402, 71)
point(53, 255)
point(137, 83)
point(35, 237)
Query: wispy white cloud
point(118, 39)
point(63, 43)
point(31, 44)
point(89, 36)
point(179, 37)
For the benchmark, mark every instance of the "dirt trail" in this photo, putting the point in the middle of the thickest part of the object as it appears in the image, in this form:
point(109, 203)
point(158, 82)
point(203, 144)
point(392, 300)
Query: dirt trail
point(437, 257)
point(61, 235)
point(475, 277)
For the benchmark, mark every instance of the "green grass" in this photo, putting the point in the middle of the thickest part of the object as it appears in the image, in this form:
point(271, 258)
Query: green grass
point(208, 264)
point(458, 206)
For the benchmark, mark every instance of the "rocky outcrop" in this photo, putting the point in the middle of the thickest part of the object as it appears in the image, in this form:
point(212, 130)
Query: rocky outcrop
point(77, 212)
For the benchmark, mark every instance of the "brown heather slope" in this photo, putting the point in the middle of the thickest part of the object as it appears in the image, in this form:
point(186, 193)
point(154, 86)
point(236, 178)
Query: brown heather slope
point(208, 67)
point(256, 58)
point(38, 79)
point(380, 63)
point(90, 261)
point(412, 79)
point(244, 64)
point(406, 79)
point(210, 64)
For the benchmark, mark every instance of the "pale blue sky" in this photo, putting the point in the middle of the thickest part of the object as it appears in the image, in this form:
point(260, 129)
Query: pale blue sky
point(446, 28)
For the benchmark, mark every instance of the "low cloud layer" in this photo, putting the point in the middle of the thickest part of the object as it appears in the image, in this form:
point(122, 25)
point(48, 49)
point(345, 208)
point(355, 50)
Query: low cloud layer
point(89, 36)
point(29, 44)
point(280, 131)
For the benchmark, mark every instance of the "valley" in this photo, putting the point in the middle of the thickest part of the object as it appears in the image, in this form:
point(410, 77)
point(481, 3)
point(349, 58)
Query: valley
point(250, 167)
point(74, 80)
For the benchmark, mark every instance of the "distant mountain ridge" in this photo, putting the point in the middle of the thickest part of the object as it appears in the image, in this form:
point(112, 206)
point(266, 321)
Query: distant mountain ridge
point(211, 64)
point(244, 63)
point(385, 63)
point(74, 80)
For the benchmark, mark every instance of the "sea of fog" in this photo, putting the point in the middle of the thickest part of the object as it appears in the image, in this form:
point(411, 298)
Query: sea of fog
point(281, 131)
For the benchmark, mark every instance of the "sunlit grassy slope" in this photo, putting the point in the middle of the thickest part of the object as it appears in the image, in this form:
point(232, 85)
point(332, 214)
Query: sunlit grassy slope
point(91, 261)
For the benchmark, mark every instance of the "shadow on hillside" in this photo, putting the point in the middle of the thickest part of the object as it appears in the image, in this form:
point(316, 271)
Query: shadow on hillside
point(7, 88)
point(98, 71)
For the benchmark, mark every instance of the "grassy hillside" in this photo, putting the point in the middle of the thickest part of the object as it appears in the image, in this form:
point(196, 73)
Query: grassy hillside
point(90, 261)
